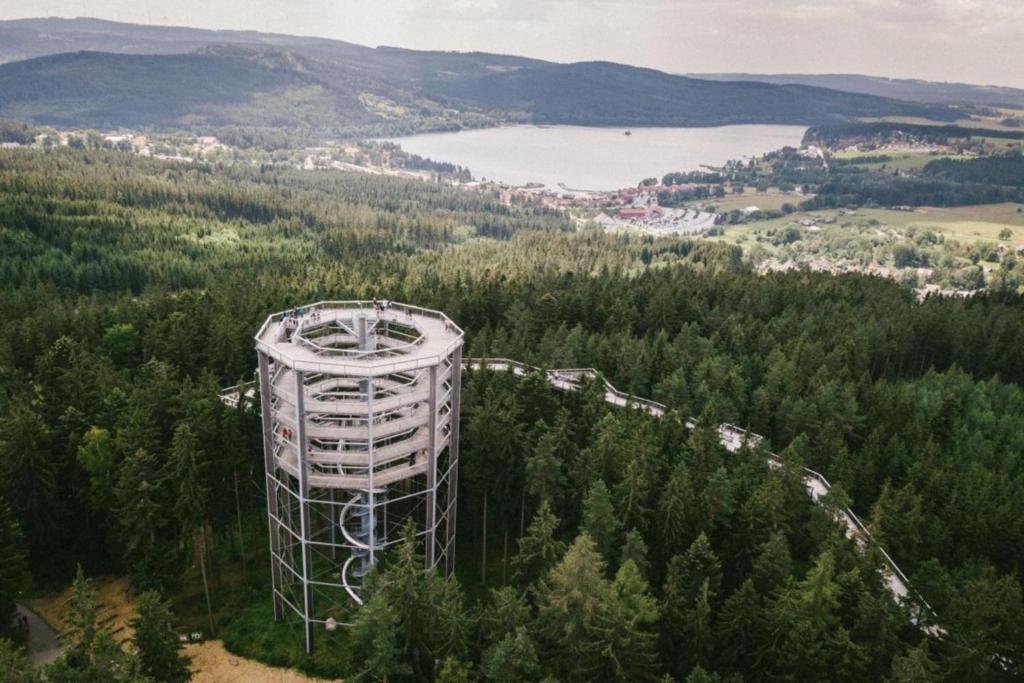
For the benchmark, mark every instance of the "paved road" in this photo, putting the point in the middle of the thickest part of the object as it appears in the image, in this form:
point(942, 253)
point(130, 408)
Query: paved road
point(43, 641)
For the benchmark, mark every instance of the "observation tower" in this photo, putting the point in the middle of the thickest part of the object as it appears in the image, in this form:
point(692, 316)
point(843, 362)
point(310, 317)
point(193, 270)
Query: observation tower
point(360, 437)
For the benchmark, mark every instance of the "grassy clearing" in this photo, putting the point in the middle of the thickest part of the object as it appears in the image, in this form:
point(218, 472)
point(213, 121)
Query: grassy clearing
point(772, 200)
point(905, 161)
point(978, 122)
point(963, 223)
point(966, 223)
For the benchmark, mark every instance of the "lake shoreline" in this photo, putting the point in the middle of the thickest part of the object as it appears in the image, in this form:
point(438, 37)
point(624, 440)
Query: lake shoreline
point(595, 158)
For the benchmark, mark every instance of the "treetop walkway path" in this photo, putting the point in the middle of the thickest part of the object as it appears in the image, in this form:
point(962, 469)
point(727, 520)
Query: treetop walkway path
point(732, 438)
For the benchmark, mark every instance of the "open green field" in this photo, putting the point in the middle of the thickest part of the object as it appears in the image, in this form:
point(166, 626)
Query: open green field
point(772, 200)
point(906, 161)
point(967, 223)
point(963, 223)
point(993, 122)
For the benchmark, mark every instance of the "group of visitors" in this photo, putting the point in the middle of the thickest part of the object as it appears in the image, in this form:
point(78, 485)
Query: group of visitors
point(296, 314)
point(381, 305)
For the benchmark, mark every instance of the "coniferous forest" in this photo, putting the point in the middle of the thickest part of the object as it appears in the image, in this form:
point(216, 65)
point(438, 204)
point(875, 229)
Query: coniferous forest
point(595, 543)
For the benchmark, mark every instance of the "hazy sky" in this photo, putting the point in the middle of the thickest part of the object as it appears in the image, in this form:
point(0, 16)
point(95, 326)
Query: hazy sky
point(979, 41)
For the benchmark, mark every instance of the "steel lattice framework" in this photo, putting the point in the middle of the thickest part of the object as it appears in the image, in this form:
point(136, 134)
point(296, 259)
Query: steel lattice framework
point(360, 440)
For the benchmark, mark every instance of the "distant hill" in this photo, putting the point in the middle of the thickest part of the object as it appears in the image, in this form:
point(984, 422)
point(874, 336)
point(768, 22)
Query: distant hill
point(898, 88)
point(103, 90)
point(86, 72)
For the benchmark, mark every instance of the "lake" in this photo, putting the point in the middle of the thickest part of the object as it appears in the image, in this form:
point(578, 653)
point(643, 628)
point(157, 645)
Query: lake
point(583, 158)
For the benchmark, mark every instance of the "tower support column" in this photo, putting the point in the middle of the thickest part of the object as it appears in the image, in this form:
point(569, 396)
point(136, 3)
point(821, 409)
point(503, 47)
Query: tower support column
point(270, 480)
point(303, 467)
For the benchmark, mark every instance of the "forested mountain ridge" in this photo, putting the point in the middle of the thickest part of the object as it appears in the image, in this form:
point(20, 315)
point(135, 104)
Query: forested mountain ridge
point(334, 87)
point(911, 89)
point(130, 289)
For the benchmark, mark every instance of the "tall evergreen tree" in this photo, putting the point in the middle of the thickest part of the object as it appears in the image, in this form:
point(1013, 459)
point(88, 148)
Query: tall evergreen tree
point(374, 642)
point(539, 550)
point(14, 665)
point(601, 521)
point(13, 566)
point(189, 466)
point(635, 549)
point(28, 471)
point(146, 522)
point(156, 643)
point(514, 658)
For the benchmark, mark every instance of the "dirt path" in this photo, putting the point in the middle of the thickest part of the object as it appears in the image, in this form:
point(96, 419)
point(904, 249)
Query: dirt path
point(213, 664)
point(210, 661)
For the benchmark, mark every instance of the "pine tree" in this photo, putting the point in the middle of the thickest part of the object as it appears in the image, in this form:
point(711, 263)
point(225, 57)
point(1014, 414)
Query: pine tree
point(454, 670)
point(692, 583)
point(636, 550)
point(504, 612)
point(13, 567)
point(192, 504)
point(81, 620)
point(601, 521)
point(512, 659)
point(633, 492)
point(430, 617)
point(773, 564)
point(29, 479)
point(916, 666)
point(146, 522)
point(738, 629)
point(570, 624)
point(677, 508)
point(545, 479)
point(157, 645)
point(810, 639)
point(539, 550)
point(590, 628)
point(374, 641)
point(92, 654)
point(634, 646)
point(702, 675)
point(14, 665)
point(719, 500)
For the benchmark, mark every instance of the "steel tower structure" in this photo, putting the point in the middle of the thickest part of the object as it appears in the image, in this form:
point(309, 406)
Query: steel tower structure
point(360, 436)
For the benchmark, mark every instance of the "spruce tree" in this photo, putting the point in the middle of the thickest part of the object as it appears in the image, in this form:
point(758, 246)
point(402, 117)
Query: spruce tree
point(601, 522)
point(772, 565)
point(374, 644)
point(545, 479)
point(146, 522)
point(634, 646)
point(14, 665)
point(156, 643)
point(13, 567)
point(677, 509)
point(505, 611)
point(539, 550)
point(512, 659)
point(635, 549)
point(188, 467)
point(571, 625)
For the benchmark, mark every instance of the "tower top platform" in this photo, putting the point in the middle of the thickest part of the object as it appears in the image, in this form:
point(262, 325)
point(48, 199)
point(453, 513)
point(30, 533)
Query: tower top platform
point(358, 338)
